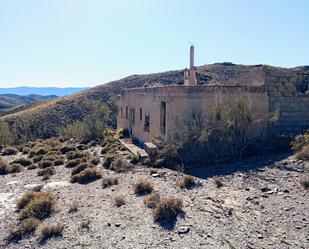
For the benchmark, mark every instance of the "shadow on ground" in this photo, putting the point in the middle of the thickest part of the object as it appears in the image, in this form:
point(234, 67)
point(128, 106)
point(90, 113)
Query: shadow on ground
point(244, 166)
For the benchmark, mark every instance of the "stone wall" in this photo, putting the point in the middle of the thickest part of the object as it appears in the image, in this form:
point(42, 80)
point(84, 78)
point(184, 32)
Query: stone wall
point(289, 96)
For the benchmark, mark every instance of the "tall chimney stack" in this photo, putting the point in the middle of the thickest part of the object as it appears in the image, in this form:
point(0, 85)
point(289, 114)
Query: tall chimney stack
point(191, 56)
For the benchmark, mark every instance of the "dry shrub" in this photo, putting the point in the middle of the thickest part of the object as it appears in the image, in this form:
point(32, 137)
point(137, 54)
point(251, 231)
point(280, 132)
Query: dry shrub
point(81, 167)
point(76, 154)
point(15, 168)
point(25, 199)
point(300, 141)
point(305, 183)
point(187, 182)
point(152, 200)
point(143, 187)
point(39, 151)
point(119, 201)
point(109, 181)
point(33, 166)
point(10, 150)
point(86, 176)
point(82, 147)
point(66, 148)
point(58, 162)
point(108, 161)
point(37, 159)
point(25, 150)
point(45, 164)
point(303, 154)
point(120, 165)
point(73, 163)
point(47, 172)
point(217, 181)
point(23, 161)
point(4, 167)
point(25, 228)
point(38, 188)
point(167, 210)
point(95, 160)
point(51, 230)
point(40, 206)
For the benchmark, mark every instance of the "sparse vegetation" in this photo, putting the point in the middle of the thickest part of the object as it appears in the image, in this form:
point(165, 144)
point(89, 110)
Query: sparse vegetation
point(86, 176)
point(152, 200)
point(303, 154)
point(167, 210)
point(10, 150)
point(187, 182)
point(119, 201)
point(51, 230)
point(25, 228)
point(39, 205)
point(23, 161)
point(217, 181)
point(73, 163)
point(305, 183)
point(109, 181)
point(143, 187)
point(120, 165)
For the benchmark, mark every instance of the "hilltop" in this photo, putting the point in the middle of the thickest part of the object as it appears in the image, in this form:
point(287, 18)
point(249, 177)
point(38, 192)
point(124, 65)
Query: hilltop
point(54, 114)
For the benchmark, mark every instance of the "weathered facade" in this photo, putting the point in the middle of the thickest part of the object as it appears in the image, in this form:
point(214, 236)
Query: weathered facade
point(156, 111)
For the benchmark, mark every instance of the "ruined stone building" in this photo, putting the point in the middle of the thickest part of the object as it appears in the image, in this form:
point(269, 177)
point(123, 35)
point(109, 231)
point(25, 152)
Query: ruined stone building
point(151, 112)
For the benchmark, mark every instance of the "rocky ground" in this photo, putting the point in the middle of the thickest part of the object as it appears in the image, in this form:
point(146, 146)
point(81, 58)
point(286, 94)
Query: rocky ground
point(260, 205)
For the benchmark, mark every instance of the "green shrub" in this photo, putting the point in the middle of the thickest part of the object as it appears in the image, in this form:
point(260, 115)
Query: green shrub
point(51, 230)
point(10, 150)
point(167, 210)
point(143, 187)
point(41, 206)
point(86, 176)
point(92, 127)
point(23, 161)
point(25, 228)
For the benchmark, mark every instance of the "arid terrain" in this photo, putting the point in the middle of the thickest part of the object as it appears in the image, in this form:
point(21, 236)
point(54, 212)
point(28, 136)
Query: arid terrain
point(261, 204)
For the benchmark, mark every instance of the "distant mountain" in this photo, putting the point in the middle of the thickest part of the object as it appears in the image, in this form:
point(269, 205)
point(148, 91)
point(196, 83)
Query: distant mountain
point(45, 91)
point(8, 101)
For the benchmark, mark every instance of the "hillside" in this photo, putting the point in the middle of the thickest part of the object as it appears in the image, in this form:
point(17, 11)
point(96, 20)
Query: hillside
point(8, 101)
point(48, 117)
point(25, 90)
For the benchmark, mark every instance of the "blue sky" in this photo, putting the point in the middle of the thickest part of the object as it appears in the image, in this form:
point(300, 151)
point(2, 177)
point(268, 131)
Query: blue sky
point(90, 42)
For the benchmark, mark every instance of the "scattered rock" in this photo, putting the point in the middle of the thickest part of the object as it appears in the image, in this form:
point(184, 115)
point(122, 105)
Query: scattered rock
point(183, 230)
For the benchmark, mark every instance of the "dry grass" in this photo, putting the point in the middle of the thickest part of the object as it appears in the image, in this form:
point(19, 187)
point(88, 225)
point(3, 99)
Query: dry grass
point(23, 161)
point(40, 206)
point(187, 182)
point(51, 230)
point(25, 228)
point(109, 181)
point(119, 201)
point(305, 183)
point(167, 210)
point(217, 181)
point(10, 150)
point(303, 154)
point(152, 200)
point(120, 165)
point(86, 176)
point(143, 187)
